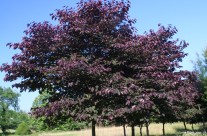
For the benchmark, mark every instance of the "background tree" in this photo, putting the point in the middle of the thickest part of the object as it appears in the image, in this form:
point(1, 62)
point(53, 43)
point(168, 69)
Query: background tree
point(200, 68)
point(149, 82)
point(8, 103)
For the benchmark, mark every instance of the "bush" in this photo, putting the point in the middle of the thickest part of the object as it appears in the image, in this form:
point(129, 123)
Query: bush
point(23, 129)
point(39, 124)
point(45, 124)
point(69, 124)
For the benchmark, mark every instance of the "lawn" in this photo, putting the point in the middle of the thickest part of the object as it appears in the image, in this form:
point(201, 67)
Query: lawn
point(155, 130)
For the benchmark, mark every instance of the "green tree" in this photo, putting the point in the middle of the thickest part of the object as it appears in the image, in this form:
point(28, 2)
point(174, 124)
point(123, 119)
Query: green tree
point(41, 100)
point(8, 104)
point(22, 116)
point(200, 67)
point(23, 129)
point(39, 124)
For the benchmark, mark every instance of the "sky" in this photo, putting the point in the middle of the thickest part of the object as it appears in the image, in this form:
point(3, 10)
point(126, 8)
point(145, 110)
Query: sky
point(188, 16)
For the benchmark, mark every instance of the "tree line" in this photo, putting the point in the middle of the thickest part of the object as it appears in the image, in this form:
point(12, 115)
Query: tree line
point(10, 114)
point(12, 118)
point(96, 68)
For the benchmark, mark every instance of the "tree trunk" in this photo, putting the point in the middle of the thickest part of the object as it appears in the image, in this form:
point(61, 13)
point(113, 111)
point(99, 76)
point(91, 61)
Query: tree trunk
point(3, 129)
point(133, 131)
point(185, 126)
point(147, 128)
point(192, 127)
point(140, 130)
point(124, 130)
point(93, 128)
point(204, 126)
point(163, 128)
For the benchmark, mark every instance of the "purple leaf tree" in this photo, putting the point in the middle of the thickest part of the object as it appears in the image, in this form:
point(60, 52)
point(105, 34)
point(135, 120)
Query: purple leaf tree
point(96, 68)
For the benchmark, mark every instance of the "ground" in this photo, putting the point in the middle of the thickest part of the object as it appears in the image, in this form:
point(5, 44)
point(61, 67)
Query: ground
point(155, 130)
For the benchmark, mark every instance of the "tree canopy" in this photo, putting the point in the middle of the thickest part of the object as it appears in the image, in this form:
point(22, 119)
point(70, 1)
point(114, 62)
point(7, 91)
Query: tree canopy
point(8, 103)
point(201, 70)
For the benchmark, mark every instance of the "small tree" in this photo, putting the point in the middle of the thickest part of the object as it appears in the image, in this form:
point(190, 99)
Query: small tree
point(23, 129)
point(8, 102)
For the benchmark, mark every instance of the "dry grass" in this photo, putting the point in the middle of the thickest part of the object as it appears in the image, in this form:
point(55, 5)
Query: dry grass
point(175, 129)
point(155, 130)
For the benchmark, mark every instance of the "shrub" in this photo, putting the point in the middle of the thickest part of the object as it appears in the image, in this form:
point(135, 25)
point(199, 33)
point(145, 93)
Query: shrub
point(23, 129)
point(69, 124)
point(39, 124)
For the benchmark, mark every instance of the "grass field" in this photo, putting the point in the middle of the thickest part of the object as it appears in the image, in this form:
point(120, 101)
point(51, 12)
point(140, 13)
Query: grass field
point(175, 129)
point(155, 130)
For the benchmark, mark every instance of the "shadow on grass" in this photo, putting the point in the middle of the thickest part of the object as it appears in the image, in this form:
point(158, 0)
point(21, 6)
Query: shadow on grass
point(182, 130)
point(7, 134)
point(157, 135)
point(197, 132)
point(168, 135)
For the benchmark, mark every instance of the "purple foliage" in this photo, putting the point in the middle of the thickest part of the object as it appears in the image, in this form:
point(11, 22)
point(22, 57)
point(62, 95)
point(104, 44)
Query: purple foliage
point(96, 67)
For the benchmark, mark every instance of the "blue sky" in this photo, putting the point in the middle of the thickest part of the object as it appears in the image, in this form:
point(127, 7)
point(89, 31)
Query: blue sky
point(189, 17)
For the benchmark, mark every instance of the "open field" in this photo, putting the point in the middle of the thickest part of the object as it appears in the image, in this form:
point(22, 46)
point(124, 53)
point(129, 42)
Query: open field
point(175, 129)
point(155, 130)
